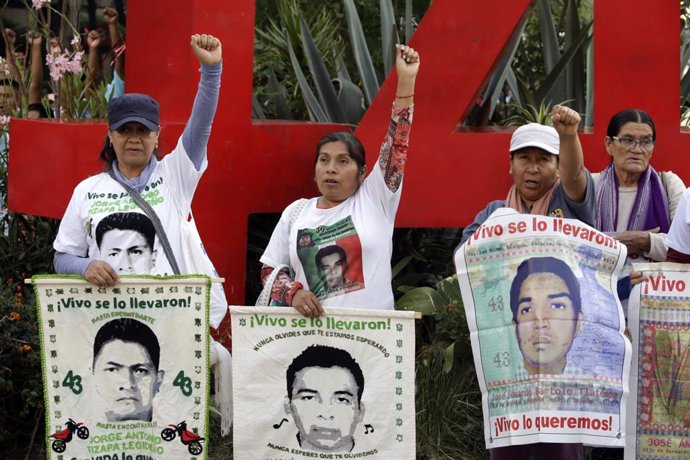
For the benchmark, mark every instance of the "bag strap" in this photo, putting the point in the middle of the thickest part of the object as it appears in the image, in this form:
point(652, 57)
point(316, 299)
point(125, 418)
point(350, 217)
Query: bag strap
point(148, 210)
point(264, 298)
point(296, 212)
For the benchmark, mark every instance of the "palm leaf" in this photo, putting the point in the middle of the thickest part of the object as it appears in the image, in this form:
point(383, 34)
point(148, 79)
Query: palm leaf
point(315, 110)
point(320, 76)
point(361, 51)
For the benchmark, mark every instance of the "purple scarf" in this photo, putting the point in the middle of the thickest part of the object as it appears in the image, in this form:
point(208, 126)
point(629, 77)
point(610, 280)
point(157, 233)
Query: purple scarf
point(650, 209)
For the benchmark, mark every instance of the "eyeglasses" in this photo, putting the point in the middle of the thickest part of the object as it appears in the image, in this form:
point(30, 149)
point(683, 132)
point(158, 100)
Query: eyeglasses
point(629, 143)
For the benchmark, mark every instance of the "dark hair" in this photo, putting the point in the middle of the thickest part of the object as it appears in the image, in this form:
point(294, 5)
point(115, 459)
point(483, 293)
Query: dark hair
point(630, 116)
point(544, 265)
point(38, 107)
point(325, 357)
point(128, 330)
point(327, 251)
point(354, 147)
point(10, 81)
point(302, 233)
point(126, 221)
point(107, 154)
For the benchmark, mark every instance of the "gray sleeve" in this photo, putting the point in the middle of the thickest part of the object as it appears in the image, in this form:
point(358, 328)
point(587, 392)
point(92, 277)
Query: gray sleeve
point(479, 219)
point(69, 264)
point(198, 128)
point(583, 211)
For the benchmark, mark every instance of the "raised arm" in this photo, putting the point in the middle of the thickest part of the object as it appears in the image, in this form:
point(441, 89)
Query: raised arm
point(393, 152)
point(93, 43)
point(208, 51)
point(110, 17)
point(571, 167)
point(10, 42)
point(36, 41)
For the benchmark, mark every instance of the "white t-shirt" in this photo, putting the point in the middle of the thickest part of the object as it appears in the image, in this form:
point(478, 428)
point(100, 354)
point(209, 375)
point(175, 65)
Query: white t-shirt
point(101, 213)
point(360, 229)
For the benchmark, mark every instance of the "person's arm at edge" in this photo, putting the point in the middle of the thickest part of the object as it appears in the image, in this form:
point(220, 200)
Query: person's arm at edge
point(36, 70)
point(110, 16)
point(571, 160)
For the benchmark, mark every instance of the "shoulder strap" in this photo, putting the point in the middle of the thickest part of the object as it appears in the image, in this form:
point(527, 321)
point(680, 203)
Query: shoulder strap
point(148, 210)
point(297, 211)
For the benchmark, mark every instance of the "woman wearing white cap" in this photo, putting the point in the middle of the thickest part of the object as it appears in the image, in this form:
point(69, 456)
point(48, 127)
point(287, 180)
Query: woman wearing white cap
point(549, 177)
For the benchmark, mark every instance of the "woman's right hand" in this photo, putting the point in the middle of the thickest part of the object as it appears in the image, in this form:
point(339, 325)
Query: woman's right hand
point(101, 274)
point(307, 304)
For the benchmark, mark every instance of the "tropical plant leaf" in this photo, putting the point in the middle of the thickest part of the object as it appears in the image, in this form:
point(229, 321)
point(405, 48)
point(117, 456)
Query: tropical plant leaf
point(361, 51)
point(351, 100)
point(424, 299)
point(449, 288)
point(320, 76)
point(257, 111)
point(315, 110)
point(547, 85)
point(448, 357)
point(498, 79)
point(511, 81)
point(400, 265)
point(547, 29)
point(341, 70)
point(408, 20)
point(279, 96)
point(575, 70)
point(389, 35)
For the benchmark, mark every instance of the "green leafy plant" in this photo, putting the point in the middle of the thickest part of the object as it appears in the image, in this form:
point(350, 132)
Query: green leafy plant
point(449, 411)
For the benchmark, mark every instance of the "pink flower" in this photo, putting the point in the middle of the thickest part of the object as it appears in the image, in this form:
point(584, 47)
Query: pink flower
point(74, 66)
point(75, 41)
point(4, 67)
point(38, 4)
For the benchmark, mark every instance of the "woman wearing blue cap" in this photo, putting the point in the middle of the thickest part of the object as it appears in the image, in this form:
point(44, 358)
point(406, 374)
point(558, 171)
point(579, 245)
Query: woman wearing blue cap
point(103, 233)
point(128, 156)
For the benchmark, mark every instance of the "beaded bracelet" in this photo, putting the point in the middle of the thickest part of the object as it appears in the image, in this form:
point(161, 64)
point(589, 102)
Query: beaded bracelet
point(404, 97)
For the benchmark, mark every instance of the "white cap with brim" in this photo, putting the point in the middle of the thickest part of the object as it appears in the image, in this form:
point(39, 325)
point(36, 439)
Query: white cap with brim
point(535, 135)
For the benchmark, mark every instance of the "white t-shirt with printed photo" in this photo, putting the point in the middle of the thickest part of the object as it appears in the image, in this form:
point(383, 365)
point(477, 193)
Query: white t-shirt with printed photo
point(124, 232)
point(342, 254)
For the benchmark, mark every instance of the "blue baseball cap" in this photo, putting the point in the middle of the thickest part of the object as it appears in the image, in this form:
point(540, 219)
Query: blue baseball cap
point(133, 107)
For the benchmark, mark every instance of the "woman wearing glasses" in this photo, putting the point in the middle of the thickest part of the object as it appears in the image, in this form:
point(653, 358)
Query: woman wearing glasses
point(634, 201)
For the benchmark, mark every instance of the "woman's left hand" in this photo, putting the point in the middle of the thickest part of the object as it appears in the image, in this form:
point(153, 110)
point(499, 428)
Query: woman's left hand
point(207, 49)
point(637, 278)
point(637, 242)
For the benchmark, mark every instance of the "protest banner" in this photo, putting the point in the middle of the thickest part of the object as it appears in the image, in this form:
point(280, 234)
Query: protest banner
point(546, 330)
point(125, 368)
point(659, 405)
point(340, 386)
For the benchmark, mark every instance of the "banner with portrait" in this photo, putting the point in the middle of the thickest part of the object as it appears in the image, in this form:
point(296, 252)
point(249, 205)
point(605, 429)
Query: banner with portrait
point(125, 368)
point(547, 329)
point(659, 407)
point(339, 386)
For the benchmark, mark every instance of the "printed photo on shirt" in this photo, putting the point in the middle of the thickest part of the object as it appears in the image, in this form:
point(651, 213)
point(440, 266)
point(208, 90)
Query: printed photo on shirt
point(331, 256)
